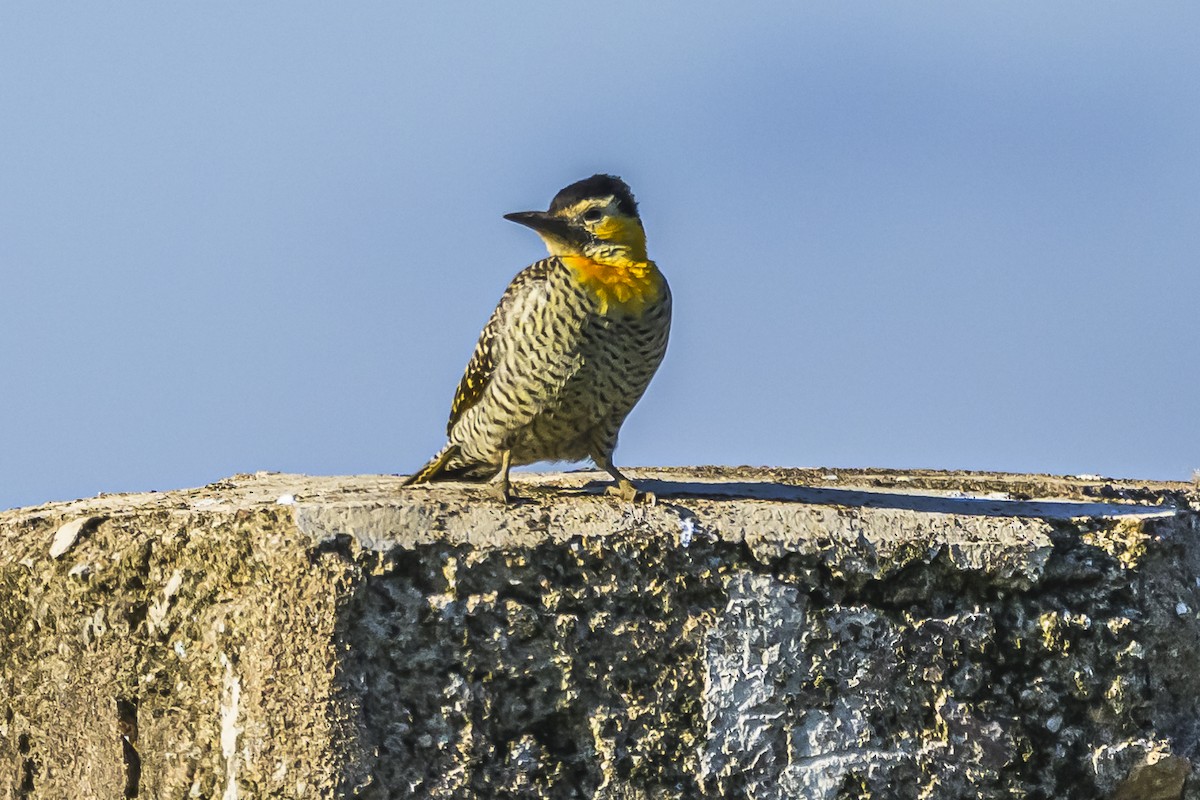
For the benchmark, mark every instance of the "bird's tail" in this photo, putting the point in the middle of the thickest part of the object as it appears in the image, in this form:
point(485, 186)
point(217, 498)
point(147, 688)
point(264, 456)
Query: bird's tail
point(441, 468)
point(436, 468)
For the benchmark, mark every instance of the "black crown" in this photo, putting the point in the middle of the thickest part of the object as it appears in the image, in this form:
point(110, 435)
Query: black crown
point(596, 186)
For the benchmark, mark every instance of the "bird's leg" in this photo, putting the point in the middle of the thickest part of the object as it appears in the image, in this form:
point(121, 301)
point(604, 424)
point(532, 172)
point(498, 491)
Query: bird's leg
point(624, 487)
point(503, 488)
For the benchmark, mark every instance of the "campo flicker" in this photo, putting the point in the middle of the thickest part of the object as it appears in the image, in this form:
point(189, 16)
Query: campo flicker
point(568, 351)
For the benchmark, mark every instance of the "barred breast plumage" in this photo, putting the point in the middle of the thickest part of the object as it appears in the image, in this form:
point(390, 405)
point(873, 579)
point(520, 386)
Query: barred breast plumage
point(563, 377)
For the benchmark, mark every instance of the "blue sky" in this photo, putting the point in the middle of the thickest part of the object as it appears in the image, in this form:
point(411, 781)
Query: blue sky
point(264, 236)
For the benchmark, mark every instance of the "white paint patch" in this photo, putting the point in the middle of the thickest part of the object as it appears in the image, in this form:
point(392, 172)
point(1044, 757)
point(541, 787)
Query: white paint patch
point(286, 500)
point(66, 536)
point(173, 584)
point(159, 608)
point(687, 529)
point(231, 695)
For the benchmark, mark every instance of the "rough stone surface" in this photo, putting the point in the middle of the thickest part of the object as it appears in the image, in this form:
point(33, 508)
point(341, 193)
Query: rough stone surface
point(758, 633)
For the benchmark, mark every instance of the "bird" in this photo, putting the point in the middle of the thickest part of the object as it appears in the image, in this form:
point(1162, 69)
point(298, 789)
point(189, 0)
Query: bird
point(569, 349)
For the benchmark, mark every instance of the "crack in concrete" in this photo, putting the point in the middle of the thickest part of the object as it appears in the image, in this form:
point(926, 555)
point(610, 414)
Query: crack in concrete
point(28, 767)
point(127, 726)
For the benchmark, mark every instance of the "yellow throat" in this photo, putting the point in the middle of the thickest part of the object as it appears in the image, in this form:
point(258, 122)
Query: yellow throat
point(619, 286)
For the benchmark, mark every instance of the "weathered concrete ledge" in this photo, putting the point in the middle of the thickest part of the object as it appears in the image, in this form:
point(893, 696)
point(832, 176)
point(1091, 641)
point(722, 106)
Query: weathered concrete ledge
point(758, 633)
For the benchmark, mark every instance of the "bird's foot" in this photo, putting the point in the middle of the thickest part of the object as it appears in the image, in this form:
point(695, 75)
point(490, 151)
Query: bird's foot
point(630, 493)
point(506, 495)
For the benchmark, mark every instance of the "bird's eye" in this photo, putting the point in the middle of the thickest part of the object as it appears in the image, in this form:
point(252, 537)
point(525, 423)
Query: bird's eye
point(593, 215)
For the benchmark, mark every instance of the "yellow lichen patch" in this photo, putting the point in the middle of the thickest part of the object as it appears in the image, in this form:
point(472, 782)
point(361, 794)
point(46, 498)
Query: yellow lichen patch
point(626, 287)
point(1124, 540)
point(1059, 627)
point(450, 573)
point(1083, 682)
point(1119, 692)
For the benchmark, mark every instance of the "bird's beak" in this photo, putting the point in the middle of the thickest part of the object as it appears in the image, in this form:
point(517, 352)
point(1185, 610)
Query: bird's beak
point(553, 229)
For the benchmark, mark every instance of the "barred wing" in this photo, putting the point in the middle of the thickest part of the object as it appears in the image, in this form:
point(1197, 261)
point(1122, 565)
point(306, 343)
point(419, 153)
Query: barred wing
point(482, 366)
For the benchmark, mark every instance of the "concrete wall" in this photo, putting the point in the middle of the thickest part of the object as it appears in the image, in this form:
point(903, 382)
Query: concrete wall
point(757, 633)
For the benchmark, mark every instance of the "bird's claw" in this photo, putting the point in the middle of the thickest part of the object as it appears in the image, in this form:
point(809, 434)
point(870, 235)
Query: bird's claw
point(630, 493)
point(506, 496)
